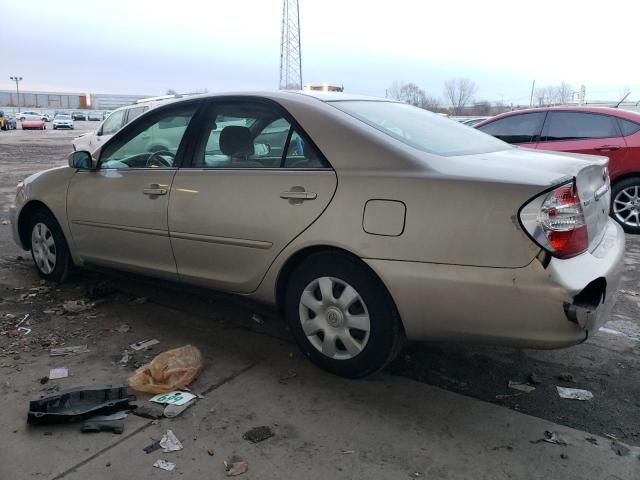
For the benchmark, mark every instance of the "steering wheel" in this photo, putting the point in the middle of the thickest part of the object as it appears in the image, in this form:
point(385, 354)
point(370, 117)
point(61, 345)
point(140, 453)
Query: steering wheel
point(157, 159)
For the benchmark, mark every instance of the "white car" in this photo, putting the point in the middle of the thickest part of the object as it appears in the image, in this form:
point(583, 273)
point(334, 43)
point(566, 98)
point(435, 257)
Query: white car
point(63, 121)
point(29, 115)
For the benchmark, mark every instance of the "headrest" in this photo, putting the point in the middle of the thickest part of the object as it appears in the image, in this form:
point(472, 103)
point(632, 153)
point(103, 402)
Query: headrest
point(235, 141)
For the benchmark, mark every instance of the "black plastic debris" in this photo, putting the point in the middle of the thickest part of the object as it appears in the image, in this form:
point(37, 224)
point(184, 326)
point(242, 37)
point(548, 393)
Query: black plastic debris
point(91, 426)
point(258, 434)
point(78, 404)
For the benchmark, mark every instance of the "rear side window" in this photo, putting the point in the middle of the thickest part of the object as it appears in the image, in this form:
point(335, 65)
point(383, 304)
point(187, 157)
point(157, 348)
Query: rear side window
point(579, 126)
point(516, 128)
point(628, 127)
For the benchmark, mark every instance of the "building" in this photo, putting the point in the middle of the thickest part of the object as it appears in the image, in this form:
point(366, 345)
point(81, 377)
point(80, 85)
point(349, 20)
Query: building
point(64, 101)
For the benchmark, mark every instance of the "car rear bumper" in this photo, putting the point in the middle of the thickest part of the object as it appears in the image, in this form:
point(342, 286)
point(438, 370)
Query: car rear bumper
point(532, 306)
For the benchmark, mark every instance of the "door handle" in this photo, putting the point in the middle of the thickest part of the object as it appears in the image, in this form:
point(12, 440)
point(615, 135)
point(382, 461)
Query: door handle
point(155, 189)
point(608, 148)
point(293, 195)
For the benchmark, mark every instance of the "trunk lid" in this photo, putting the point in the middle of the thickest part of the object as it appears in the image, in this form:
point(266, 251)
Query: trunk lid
point(594, 190)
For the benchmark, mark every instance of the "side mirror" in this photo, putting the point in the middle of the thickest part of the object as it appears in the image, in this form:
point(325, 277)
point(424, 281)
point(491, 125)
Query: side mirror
point(82, 160)
point(261, 149)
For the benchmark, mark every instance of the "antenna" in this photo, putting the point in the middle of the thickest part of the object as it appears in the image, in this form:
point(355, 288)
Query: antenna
point(623, 99)
point(290, 51)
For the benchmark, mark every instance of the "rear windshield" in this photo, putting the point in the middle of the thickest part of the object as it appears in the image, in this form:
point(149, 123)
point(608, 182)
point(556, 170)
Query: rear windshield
point(420, 128)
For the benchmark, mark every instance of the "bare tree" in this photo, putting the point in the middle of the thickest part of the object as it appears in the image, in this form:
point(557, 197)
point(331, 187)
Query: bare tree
point(430, 103)
point(554, 94)
point(407, 92)
point(459, 92)
point(171, 91)
point(564, 92)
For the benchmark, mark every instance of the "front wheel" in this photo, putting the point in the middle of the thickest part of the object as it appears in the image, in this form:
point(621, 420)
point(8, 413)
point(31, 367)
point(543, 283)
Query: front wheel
point(49, 248)
point(342, 316)
point(625, 204)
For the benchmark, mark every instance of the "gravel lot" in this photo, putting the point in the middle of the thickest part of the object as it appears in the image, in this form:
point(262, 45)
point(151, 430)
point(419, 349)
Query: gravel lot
point(608, 364)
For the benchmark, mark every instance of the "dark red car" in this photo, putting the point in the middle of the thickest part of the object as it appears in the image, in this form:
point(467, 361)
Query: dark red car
point(593, 130)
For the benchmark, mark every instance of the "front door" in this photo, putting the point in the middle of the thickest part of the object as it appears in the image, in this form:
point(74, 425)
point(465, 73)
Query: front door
point(255, 182)
point(118, 212)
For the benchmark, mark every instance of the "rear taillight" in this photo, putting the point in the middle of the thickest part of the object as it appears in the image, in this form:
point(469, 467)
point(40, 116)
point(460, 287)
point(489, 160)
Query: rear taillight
point(555, 221)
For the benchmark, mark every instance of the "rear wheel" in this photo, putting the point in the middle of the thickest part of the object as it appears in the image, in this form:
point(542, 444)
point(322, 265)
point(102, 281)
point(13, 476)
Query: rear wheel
point(49, 248)
point(342, 316)
point(625, 204)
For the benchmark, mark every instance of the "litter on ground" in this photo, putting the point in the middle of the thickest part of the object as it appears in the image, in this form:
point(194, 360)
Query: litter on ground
point(142, 344)
point(168, 371)
point(56, 373)
point(164, 465)
point(258, 434)
point(170, 442)
point(57, 352)
point(521, 386)
point(173, 398)
point(574, 393)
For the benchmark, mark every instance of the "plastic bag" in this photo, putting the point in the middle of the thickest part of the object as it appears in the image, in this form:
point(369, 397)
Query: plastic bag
point(170, 370)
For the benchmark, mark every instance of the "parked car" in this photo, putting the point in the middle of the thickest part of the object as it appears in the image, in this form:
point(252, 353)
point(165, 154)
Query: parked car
point(114, 122)
point(63, 121)
point(7, 122)
point(95, 116)
point(78, 116)
point(592, 130)
point(473, 121)
point(29, 115)
point(37, 124)
point(364, 220)
point(46, 117)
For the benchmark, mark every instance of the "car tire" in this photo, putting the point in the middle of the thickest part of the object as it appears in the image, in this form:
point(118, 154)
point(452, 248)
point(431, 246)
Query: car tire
point(55, 128)
point(327, 339)
point(49, 248)
point(625, 204)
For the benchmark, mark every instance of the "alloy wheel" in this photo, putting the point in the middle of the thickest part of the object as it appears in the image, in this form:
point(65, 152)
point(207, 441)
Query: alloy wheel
point(626, 206)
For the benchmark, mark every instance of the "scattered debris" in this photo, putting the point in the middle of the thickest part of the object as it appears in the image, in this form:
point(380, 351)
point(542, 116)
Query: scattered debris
point(126, 356)
point(621, 449)
point(592, 440)
point(168, 371)
point(630, 292)
point(170, 442)
point(44, 380)
point(124, 328)
point(153, 447)
point(235, 466)
point(77, 306)
point(152, 411)
point(348, 452)
point(5, 222)
point(56, 373)
point(171, 411)
point(258, 434)
point(99, 290)
point(78, 404)
point(416, 474)
point(564, 456)
point(574, 393)
point(257, 318)
point(288, 375)
point(164, 465)
point(139, 301)
point(173, 398)
point(551, 437)
point(53, 311)
point(566, 377)
point(92, 425)
point(505, 447)
point(142, 344)
point(211, 452)
point(56, 352)
point(520, 386)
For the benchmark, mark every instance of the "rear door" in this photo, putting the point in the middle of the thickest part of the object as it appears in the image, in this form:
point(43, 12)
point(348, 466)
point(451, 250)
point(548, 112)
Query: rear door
point(584, 132)
point(255, 182)
point(520, 129)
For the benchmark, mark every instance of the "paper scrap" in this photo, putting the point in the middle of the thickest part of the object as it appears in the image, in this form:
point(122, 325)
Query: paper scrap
point(55, 373)
point(142, 344)
point(170, 442)
point(164, 465)
point(574, 393)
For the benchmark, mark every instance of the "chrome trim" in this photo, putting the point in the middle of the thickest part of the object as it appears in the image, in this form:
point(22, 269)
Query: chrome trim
point(124, 228)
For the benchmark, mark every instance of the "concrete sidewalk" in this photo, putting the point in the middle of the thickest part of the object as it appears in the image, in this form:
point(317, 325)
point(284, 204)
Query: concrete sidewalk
point(325, 427)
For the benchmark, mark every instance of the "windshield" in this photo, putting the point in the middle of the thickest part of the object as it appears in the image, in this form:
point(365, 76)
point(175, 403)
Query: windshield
point(63, 117)
point(420, 128)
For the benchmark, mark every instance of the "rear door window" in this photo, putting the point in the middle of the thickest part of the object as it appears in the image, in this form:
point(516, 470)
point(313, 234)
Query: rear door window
point(523, 128)
point(578, 126)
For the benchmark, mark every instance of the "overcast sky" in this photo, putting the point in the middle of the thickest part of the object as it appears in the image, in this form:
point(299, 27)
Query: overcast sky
point(146, 47)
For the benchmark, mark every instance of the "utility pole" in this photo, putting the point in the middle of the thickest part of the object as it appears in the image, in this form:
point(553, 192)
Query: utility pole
point(533, 86)
point(290, 49)
point(17, 80)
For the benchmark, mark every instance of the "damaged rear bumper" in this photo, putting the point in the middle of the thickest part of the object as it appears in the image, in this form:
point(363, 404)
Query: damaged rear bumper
point(532, 306)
